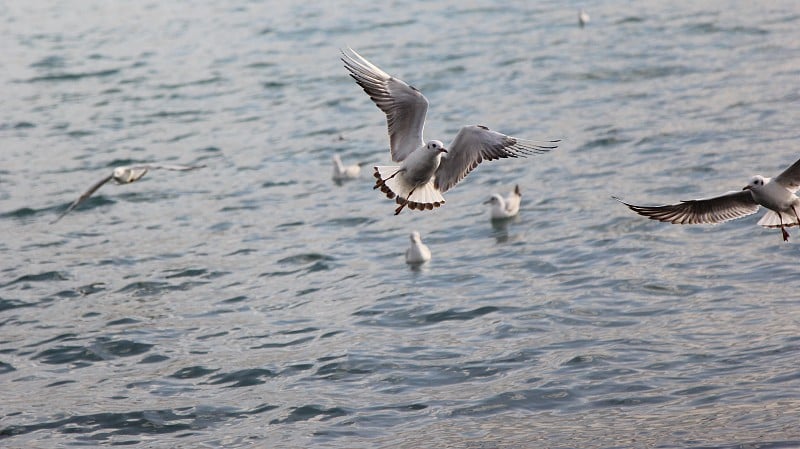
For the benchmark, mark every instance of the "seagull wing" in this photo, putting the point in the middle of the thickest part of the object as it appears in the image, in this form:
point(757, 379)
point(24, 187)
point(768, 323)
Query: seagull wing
point(476, 143)
point(790, 178)
point(405, 107)
point(167, 167)
point(84, 196)
point(729, 206)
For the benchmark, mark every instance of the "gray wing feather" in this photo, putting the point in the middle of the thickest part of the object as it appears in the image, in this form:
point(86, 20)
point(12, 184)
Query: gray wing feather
point(476, 143)
point(790, 178)
point(731, 205)
point(84, 196)
point(166, 167)
point(405, 107)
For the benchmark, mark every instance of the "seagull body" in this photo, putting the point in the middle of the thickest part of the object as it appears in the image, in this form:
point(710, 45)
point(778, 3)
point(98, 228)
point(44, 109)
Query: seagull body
point(124, 175)
point(583, 18)
point(428, 168)
point(342, 172)
point(505, 207)
point(777, 194)
point(418, 252)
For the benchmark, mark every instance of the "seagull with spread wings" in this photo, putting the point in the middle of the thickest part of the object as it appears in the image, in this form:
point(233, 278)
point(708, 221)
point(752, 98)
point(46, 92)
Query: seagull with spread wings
point(427, 169)
point(124, 175)
point(777, 194)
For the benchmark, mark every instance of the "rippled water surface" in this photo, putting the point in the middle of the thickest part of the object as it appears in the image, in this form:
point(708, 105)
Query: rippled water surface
point(255, 303)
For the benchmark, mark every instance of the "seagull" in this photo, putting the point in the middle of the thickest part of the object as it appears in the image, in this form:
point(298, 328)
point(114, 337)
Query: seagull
point(418, 252)
point(777, 194)
point(124, 175)
point(505, 207)
point(342, 172)
point(583, 18)
point(427, 169)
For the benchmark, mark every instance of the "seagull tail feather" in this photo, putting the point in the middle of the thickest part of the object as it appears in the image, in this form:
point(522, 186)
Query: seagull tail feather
point(772, 220)
point(425, 197)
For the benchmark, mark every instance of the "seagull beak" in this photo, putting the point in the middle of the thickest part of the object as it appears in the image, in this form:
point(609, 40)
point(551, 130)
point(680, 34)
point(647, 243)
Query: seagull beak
point(747, 187)
point(443, 150)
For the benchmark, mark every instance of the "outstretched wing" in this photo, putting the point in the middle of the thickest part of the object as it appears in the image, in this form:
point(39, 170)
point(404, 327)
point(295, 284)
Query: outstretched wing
point(405, 107)
point(84, 196)
point(729, 206)
point(790, 178)
point(475, 144)
point(167, 167)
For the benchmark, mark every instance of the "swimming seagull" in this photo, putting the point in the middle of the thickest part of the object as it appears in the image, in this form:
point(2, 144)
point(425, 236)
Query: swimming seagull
point(424, 173)
point(505, 207)
point(776, 194)
point(124, 175)
point(342, 172)
point(418, 252)
point(583, 18)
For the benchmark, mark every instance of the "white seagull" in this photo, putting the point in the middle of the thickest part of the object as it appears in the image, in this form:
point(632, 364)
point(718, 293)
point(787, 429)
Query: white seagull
point(342, 172)
point(505, 207)
point(777, 194)
point(583, 18)
point(424, 174)
point(418, 252)
point(124, 175)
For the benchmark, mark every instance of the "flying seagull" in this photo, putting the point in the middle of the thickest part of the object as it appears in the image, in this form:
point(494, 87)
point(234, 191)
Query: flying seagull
point(424, 173)
point(505, 207)
point(124, 175)
point(777, 194)
point(417, 253)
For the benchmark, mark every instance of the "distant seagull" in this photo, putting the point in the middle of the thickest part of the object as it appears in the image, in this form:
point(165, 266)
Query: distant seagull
point(583, 18)
point(418, 252)
point(424, 174)
point(505, 207)
point(342, 172)
point(776, 194)
point(124, 175)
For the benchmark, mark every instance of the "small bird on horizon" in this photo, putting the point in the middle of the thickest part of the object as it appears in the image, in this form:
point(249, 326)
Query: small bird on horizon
point(417, 253)
point(343, 172)
point(124, 175)
point(777, 194)
point(505, 207)
point(427, 169)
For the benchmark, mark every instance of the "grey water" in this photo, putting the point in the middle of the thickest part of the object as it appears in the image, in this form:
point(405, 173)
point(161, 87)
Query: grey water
point(255, 303)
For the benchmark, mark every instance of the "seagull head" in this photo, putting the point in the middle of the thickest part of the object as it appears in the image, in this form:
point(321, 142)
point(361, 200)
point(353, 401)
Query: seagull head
point(495, 199)
point(121, 174)
point(126, 175)
point(437, 146)
point(756, 182)
point(415, 238)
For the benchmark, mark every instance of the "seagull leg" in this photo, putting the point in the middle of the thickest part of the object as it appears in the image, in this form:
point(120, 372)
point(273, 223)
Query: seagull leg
point(405, 201)
point(783, 229)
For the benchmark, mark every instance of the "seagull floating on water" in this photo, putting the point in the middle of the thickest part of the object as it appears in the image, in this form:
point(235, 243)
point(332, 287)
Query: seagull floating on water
point(424, 173)
point(776, 194)
point(505, 207)
point(583, 18)
point(124, 175)
point(342, 172)
point(418, 252)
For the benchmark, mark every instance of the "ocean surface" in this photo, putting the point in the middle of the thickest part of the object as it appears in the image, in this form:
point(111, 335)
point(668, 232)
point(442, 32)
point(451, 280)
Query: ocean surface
point(256, 303)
